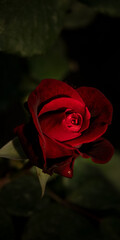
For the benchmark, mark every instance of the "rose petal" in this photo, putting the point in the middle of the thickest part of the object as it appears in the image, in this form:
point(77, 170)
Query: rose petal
point(100, 151)
point(101, 115)
point(33, 149)
point(98, 105)
point(46, 91)
point(52, 123)
point(49, 89)
point(64, 166)
point(63, 103)
point(55, 149)
point(86, 120)
point(33, 103)
point(53, 126)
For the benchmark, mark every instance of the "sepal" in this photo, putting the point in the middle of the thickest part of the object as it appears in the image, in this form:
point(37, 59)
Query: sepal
point(13, 150)
point(43, 178)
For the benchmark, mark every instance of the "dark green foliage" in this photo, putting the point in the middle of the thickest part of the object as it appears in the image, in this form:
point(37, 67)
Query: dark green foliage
point(58, 222)
point(35, 218)
point(110, 7)
point(90, 188)
point(30, 27)
point(24, 196)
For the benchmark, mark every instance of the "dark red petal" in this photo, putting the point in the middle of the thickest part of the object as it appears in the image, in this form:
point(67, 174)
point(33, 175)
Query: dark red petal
point(55, 149)
point(60, 158)
point(86, 120)
point(100, 151)
point(47, 90)
point(66, 169)
point(52, 88)
point(52, 123)
point(53, 126)
point(33, 109)
point(101, 115)
point(63, 103)
point(33, 103)
point(98, 105)
point(64, 166)
point(30, 142)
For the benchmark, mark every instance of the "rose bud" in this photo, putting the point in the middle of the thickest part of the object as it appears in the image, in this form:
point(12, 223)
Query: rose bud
point(65, 123)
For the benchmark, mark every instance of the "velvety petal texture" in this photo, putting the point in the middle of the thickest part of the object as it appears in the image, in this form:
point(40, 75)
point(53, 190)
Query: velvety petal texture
point(101, 115)
point(59, 157)
point(64, 124)
point(100, 151)
point(49, 89)
point(30, 142)
point(64, 166)
point(54, 123)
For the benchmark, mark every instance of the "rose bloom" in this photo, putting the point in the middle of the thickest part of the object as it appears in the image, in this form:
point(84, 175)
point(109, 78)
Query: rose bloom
point(65, 123)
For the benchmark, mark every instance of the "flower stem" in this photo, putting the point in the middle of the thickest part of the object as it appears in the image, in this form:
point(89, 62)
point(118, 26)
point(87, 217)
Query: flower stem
point(83, 211)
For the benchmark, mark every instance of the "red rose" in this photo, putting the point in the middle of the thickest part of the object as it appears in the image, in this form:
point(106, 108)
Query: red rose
point(65, 123)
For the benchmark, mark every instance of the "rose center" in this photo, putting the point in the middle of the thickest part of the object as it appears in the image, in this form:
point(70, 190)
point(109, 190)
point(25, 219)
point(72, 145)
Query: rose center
point(73, 121)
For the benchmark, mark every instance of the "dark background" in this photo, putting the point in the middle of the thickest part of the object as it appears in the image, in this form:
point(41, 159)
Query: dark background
point(85, 55)
point(95, 50)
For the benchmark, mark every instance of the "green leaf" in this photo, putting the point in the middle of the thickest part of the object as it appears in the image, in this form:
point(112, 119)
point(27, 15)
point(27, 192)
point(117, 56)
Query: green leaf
point(46, 66)
point(13, 150)
point(110, 7)
point(79, 16)
point(43, 178)
point(30, 27)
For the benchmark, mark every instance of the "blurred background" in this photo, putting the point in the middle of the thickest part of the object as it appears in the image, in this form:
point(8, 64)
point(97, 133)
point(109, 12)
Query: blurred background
point(76, 41)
